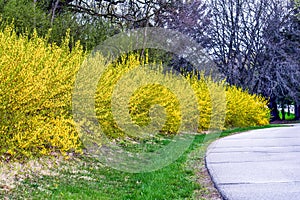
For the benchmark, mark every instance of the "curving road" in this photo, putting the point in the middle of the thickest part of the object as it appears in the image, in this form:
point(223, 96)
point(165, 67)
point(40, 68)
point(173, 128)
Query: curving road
point(257, 165)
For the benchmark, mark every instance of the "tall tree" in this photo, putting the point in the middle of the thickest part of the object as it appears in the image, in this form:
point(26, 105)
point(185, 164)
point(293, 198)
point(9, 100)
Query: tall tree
point(279, 74)
point(255, 46)
point(192, 19)
point(236, 37)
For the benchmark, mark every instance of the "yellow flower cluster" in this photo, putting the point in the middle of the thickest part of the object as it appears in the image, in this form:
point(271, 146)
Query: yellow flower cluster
point(244, 109)
point(36, 81)
point(239, 108)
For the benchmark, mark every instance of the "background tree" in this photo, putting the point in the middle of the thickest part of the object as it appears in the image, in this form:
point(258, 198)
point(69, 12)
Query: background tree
point(28, 15)
point(256, 48)
point(191, 18)
point(280, 59)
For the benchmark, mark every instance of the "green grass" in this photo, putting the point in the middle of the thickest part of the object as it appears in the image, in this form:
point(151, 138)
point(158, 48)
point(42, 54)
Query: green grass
point(243, 129)
point(287, 117)
point(84, 177)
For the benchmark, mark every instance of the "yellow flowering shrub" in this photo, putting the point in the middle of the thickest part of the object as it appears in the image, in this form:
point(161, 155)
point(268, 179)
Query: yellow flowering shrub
point(140, 101)
point(211, 102)
point(244, 109)
point(36, 81)
point(241, 108)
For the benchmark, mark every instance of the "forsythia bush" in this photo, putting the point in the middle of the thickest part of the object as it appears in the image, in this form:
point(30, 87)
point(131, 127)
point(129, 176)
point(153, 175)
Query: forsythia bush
point(36, 80)
point(244, 109)
point(241, 108)
point(210, 94)
point(141, 100)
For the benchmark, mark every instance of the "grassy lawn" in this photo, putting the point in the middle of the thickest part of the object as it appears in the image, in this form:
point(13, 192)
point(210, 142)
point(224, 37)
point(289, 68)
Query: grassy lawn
point(84, 177)
point(287, 117)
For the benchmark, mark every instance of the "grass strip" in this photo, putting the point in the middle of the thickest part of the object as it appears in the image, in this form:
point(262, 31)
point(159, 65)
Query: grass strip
point(84, 177)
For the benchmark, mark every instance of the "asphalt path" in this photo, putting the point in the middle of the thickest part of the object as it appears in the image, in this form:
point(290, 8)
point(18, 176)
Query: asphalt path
point(257, 165)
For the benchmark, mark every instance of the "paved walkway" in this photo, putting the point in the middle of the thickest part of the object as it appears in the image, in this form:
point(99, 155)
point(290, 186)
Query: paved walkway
point(257, 165)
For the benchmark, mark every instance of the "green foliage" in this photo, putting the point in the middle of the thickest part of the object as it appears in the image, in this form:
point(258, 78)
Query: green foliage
point(25, 15)
point(28, 16)
point(35, 93)
point(90, 33)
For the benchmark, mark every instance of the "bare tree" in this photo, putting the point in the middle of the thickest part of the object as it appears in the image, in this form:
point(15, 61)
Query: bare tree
point(236, 37)
point(189, 17)
point(251, 46)
point(280, 71)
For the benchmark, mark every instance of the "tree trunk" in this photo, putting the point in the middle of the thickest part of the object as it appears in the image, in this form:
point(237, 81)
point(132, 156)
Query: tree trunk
point(274, 110)
point(297, 112)
point(282, 112)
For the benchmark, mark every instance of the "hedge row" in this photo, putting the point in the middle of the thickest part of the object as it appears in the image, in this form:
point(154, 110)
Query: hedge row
point(220, 106)
point(36, 82)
